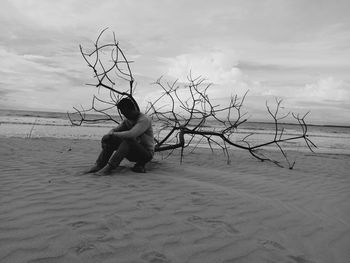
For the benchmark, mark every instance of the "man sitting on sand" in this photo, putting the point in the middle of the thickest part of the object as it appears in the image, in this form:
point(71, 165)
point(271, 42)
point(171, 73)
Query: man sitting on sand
point(132, 139)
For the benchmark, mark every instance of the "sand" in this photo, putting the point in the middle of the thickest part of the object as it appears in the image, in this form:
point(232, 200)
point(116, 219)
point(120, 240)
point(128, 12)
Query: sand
point(203, 210)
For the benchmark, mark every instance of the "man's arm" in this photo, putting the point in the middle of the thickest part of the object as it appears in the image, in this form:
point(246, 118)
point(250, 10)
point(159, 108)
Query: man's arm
point(139, 128)
point(121, 127)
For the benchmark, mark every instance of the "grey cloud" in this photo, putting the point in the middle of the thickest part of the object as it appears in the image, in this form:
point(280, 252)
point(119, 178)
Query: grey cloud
point(24, 37)
point(341, 105)
point(258, 66)
point(251, 65)
point(4, 92)
point(38, 43)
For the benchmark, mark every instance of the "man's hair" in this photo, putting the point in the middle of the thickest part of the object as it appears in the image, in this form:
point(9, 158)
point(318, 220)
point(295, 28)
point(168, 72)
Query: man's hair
point(126, 104)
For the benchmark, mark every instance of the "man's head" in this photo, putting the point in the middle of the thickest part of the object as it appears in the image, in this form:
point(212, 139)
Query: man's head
point(128, 108)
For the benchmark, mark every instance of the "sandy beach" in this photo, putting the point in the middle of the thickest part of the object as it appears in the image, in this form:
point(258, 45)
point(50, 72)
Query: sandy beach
point(203, 210)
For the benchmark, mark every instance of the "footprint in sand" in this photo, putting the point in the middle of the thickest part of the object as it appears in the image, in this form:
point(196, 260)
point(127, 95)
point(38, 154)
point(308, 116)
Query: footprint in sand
point(114, 221)
point(78, 224)
point(83, 246)
point(197, 198)
point(269, 244)
point(301, 259)
point(213, 223)
point(147, 205)
point(155, 257)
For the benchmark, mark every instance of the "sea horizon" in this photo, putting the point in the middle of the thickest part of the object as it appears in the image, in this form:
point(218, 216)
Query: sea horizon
point(41, 113)
point(37, 124)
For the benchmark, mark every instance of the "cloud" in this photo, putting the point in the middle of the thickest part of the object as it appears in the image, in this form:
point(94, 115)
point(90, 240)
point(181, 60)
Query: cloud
point(37, 81)
point(327, 99)
point(216, 66)
point(326, 89)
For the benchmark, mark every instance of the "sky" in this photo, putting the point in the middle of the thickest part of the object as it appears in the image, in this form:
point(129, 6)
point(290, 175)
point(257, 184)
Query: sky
point(295, 50)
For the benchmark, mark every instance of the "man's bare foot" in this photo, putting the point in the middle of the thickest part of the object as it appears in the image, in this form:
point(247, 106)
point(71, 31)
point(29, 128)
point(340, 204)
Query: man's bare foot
point(93, 169)
point(139, 168)
point(107, 170)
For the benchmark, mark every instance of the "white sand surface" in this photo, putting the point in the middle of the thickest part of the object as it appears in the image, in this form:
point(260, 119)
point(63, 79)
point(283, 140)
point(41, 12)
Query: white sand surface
point(203, 210)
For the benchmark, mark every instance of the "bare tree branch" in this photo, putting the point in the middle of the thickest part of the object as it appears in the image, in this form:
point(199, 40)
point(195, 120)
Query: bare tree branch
point(183, 112)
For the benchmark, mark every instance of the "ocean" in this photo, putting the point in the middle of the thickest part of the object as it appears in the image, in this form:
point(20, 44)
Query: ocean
point(36, 124)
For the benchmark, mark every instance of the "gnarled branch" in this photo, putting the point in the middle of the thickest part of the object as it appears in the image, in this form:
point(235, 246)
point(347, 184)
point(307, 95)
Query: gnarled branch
point(185, 114)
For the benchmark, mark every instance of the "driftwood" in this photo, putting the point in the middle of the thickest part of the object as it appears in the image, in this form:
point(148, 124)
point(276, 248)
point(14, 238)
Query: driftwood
point(185, 114)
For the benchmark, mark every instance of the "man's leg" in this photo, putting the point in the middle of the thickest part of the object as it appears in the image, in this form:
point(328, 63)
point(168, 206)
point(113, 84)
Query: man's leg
point(115, 158)
point(108, 147)
point(130, 149)
point(140, 155)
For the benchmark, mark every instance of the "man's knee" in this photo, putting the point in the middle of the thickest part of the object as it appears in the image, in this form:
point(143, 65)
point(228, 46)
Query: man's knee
point(110, 142)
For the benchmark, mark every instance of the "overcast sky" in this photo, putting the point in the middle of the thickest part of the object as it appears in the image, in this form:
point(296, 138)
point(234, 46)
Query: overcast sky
point(297, 50)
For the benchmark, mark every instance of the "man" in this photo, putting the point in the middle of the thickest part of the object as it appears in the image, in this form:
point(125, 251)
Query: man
point(132, 139)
